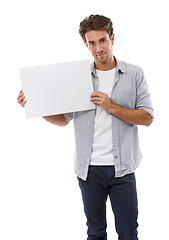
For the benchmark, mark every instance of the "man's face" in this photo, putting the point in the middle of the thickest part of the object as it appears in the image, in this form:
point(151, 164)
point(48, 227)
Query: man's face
point(100, 45)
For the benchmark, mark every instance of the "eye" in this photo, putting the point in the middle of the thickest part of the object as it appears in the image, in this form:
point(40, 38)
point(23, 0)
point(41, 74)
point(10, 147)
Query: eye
point(102, 40)
point(92, 43)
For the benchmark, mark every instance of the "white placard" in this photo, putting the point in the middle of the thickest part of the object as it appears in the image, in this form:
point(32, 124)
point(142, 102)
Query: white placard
point(57, 88)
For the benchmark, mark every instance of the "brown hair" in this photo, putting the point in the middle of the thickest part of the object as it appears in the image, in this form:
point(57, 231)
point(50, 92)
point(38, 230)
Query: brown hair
point(95, 22)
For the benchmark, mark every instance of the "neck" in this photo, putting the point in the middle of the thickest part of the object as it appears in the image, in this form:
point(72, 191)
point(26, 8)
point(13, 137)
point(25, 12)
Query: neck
point(106, 66)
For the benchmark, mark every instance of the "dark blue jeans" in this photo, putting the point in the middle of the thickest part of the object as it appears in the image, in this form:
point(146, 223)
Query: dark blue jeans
point(100, 184)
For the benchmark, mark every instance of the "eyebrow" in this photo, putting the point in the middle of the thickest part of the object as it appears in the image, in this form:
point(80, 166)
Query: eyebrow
point(90, 41)
point(103, 38)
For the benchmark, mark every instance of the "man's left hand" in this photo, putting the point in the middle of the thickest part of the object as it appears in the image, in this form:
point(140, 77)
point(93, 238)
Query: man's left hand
point(102, 100)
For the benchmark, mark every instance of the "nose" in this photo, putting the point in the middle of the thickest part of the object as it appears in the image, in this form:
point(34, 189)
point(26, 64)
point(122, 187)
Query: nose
point(99, 48)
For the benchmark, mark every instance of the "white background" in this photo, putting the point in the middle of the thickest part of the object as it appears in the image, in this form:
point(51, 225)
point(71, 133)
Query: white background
point(39, 193)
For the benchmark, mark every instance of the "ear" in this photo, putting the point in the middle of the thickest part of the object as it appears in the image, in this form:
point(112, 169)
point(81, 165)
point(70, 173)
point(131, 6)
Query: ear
point(112, 39)
point(86, 45)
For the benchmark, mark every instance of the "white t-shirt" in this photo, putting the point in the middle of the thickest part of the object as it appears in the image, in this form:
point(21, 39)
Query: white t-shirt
point(102, 143)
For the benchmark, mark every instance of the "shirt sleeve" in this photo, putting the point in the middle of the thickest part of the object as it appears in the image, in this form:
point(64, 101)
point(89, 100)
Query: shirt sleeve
point(143, 100)
point(68, 117)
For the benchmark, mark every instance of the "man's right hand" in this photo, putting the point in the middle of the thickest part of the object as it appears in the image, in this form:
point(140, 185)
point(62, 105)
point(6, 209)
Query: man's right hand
point(58, 119)
point(21, 99)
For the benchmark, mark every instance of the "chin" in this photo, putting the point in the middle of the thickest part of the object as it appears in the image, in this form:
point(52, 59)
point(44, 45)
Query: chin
point(102, 61)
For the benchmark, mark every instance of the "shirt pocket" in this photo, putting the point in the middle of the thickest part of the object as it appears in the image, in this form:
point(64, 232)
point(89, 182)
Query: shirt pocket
point(126, 98)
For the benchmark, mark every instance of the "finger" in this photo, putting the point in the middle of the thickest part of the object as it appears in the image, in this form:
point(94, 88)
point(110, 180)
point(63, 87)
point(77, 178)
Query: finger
point(97, 102)
point(20, 92)
point(20, 95)
point(23, 103)
point(97, 94)
point(94, 94)
point(21, 99)
point(95, 99)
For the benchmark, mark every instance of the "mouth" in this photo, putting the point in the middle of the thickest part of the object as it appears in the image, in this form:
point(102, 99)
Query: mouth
point(101, 55)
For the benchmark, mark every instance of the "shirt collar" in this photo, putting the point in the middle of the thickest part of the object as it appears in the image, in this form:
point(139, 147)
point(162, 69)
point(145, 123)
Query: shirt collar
point(119, 67)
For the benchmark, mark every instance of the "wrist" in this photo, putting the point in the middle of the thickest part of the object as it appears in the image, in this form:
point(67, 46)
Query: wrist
point(112, 108)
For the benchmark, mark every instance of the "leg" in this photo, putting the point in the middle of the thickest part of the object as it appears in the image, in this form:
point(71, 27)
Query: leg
point(123, 197)
point(94, 196)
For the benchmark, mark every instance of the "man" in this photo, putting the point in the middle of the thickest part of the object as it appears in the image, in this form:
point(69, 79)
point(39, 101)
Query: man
point(107, 145)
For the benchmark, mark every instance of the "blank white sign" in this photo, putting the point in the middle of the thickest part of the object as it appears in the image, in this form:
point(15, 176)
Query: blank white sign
point(57, 88)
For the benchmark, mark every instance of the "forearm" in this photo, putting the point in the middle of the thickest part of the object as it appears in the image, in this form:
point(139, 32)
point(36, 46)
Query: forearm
point(58, 120)
point(133, 116)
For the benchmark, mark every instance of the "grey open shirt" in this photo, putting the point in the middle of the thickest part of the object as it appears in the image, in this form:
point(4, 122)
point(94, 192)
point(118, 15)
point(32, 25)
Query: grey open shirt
point(130, 90)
